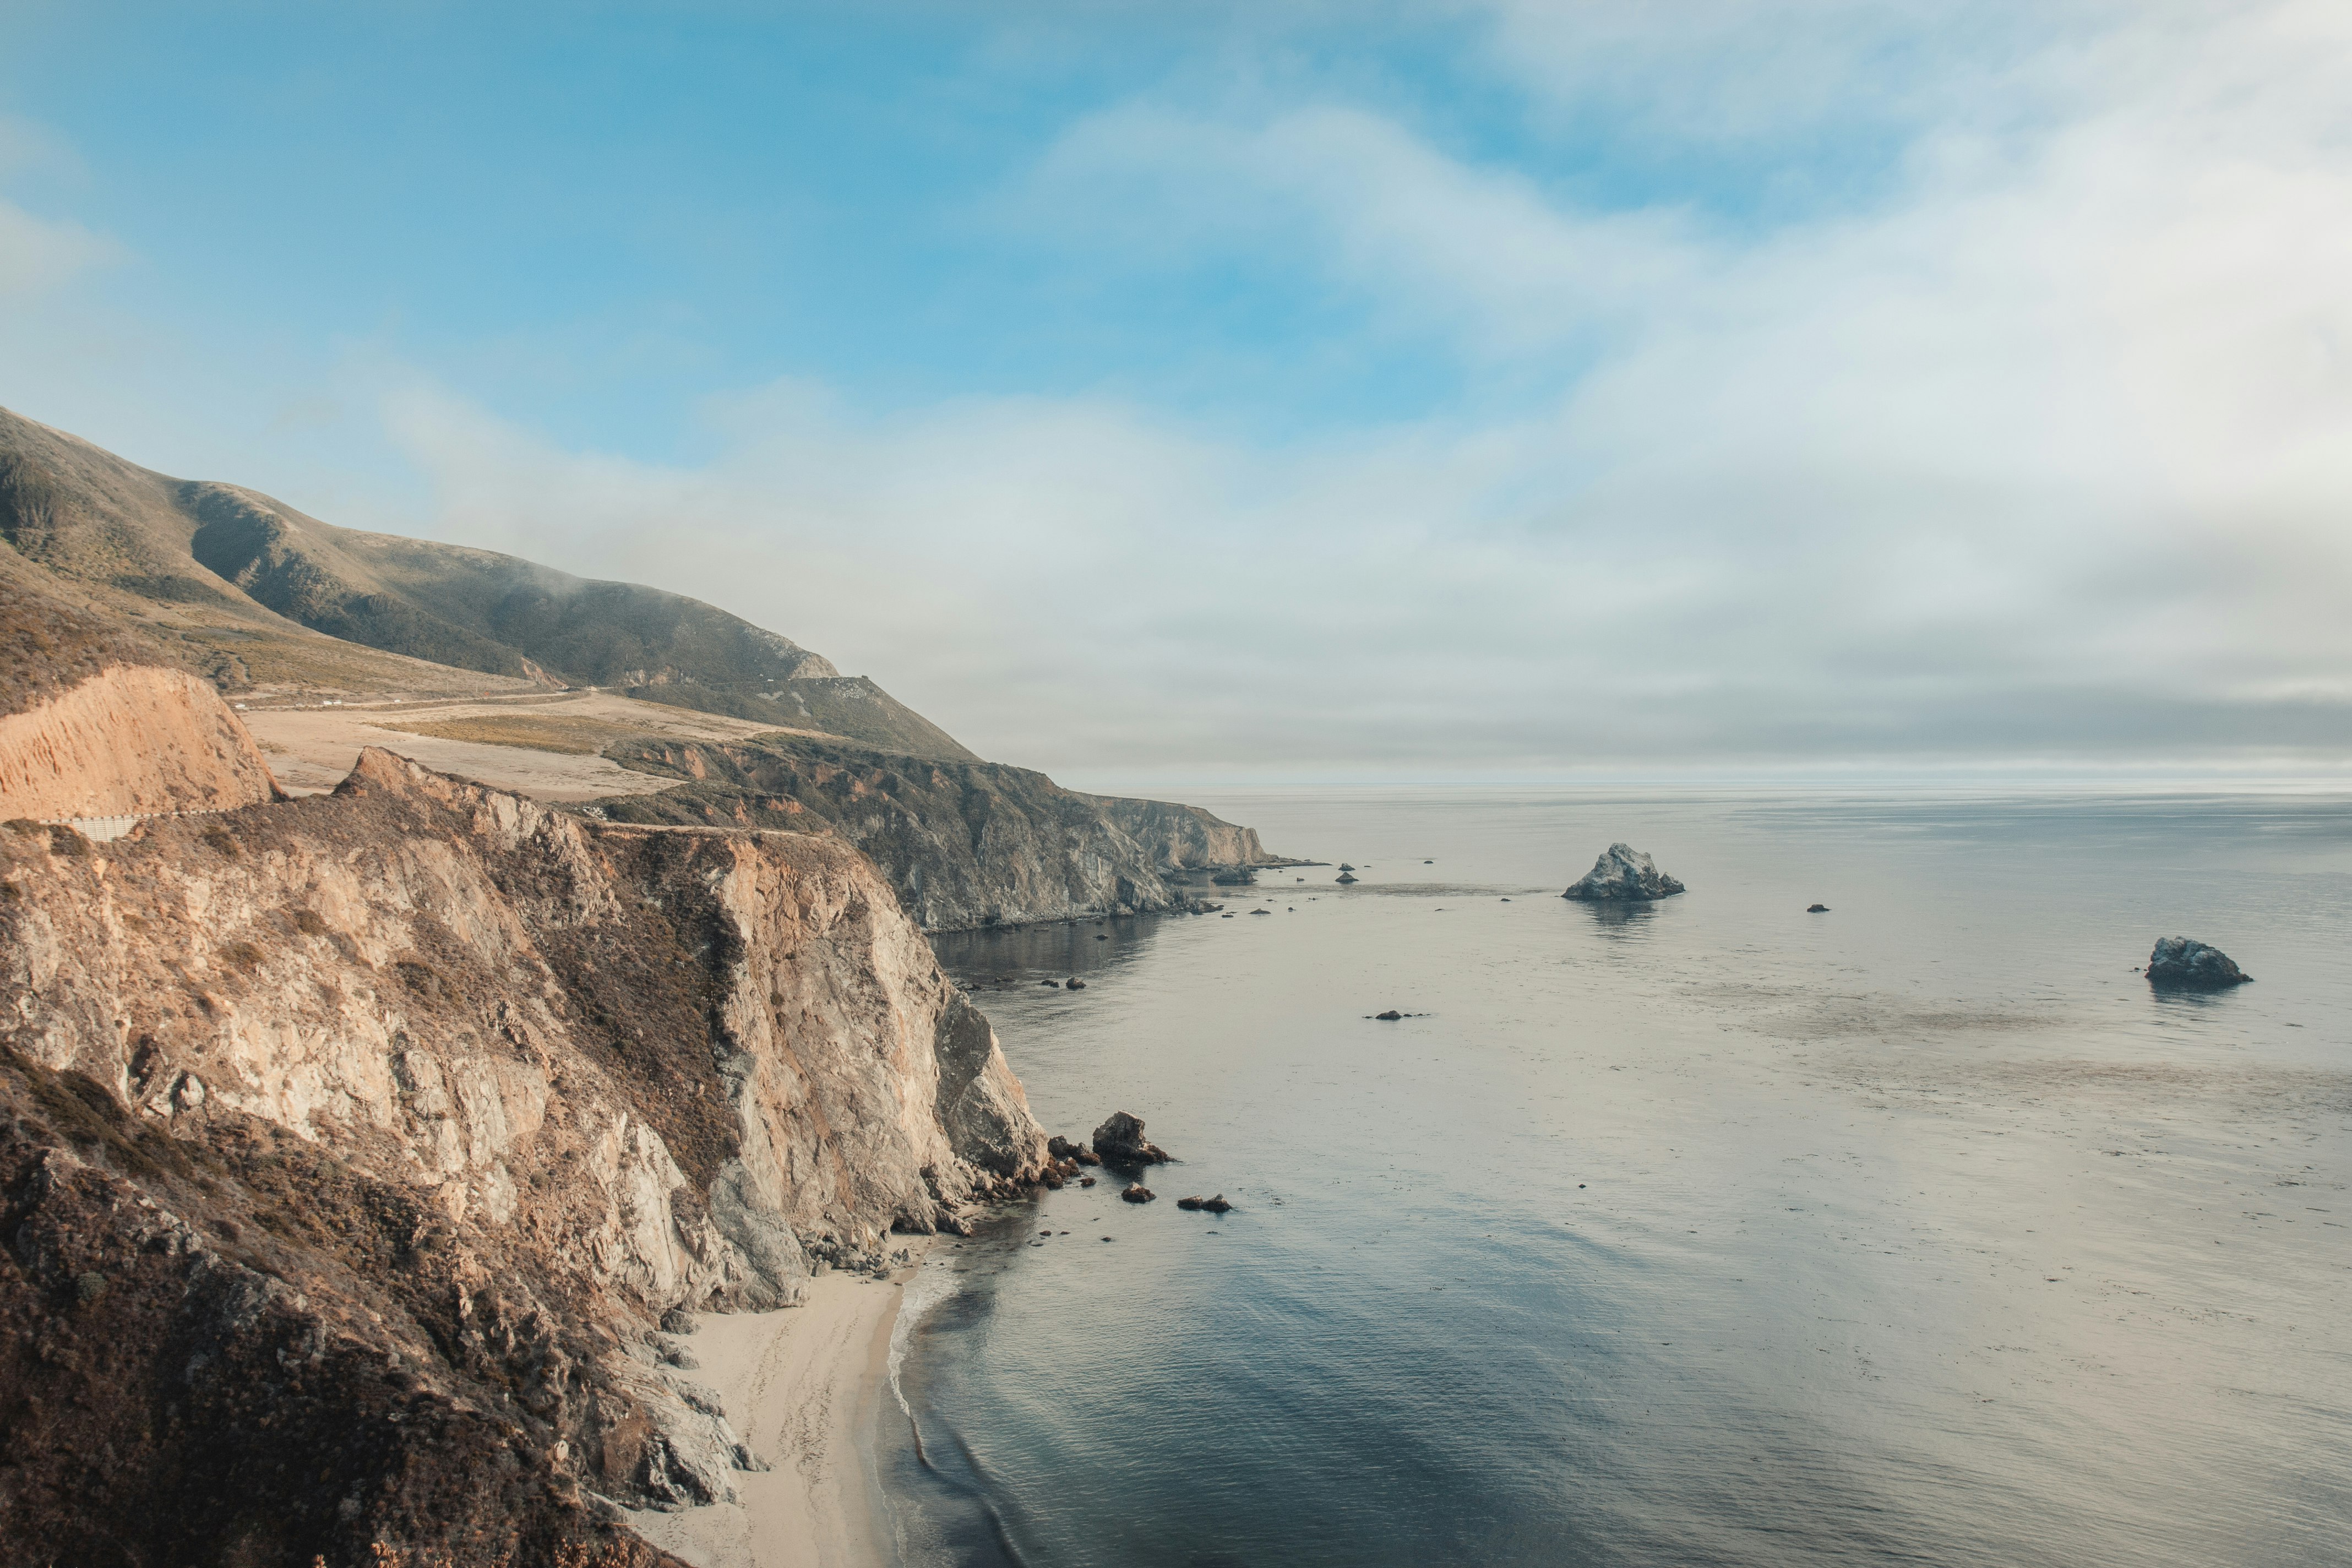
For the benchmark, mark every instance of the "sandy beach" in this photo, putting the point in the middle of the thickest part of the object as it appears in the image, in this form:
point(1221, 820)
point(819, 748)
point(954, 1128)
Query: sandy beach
point(803, 1386)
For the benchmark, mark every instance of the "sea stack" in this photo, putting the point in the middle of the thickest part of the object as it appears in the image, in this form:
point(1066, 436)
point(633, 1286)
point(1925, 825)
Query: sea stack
point(1120, 1141)
point(2180, 964)
point(1624, 875)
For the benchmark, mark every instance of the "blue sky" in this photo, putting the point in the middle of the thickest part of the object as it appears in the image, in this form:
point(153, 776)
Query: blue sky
point(1482, 388)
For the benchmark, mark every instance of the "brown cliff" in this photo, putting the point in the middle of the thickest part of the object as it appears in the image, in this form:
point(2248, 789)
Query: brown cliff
point(353, 1147)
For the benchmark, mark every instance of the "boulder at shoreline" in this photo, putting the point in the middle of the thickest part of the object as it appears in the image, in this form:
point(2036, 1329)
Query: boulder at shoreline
point(2180, 964)
point(1121, 1140)
point(1623, 874)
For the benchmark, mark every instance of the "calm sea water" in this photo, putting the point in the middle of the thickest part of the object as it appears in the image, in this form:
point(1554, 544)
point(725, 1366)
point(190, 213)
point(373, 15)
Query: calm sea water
point(1712, 1232)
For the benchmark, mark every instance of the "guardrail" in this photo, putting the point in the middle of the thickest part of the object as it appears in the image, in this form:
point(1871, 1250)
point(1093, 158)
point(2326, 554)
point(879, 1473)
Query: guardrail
point(106, 829)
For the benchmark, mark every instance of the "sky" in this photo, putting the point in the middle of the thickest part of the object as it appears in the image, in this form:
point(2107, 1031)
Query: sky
point(1400, 390)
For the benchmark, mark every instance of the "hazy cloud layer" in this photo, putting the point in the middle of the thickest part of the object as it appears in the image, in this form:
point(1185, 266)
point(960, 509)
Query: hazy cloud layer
point(1819, 384)
point(2042, 452)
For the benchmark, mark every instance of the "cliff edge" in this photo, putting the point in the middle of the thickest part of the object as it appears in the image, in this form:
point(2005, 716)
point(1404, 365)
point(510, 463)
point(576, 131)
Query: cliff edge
point(353, 1148)
point(964, 844)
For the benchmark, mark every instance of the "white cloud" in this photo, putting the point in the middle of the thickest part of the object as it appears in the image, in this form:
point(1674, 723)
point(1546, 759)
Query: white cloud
point(39, 253)
point(2045, 451)
point(1479, 252)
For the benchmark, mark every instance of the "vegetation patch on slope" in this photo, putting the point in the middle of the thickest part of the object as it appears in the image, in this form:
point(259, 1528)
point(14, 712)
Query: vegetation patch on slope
point(529, 731)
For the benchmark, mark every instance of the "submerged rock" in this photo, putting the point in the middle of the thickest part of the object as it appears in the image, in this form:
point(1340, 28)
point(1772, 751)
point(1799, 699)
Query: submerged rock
point(2180, 964)
point(1623, 874)
point(1121, 1140)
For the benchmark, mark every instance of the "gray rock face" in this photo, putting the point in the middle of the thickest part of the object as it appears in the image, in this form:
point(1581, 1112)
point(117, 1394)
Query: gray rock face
point(1624, 875)
point(2180, 964)
point(1121, 1141)
point(963, 844)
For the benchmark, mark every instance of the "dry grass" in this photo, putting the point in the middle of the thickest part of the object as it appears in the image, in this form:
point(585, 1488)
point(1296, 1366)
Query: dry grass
point(530, 732)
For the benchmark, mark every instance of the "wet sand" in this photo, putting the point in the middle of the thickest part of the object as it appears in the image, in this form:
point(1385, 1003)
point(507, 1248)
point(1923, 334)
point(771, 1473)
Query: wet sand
point(803, 1386)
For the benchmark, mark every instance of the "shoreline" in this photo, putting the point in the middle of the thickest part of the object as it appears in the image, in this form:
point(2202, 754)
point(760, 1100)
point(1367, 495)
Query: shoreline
point(803, 1386)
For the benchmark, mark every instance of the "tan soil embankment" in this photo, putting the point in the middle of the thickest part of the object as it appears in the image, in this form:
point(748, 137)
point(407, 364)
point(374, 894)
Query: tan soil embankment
point(131, 740)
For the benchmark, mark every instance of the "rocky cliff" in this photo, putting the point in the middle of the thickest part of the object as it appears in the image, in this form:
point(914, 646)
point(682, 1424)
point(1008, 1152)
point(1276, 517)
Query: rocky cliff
point(1184, 837)
point(963, 844)
point(352, 1148)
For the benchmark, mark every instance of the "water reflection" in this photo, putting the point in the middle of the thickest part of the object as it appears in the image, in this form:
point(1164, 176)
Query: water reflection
point(1617, 918)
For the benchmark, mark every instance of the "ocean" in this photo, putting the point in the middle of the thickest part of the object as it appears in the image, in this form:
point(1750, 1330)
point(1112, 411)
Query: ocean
point(1713, 1231)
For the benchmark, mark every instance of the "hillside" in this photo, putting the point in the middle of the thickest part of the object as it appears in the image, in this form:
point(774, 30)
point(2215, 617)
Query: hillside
point(250, 591)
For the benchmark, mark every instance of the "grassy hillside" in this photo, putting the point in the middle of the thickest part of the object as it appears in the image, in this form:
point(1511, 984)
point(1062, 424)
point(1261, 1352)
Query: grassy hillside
point(245, 576)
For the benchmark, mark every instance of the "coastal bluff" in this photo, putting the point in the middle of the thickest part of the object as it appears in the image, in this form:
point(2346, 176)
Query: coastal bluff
point(964, 844)
point(354, 1149)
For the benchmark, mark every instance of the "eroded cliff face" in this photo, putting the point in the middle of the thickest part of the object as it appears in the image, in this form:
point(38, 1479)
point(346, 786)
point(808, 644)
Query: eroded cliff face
point(963, 844)
point(1184, 837)
point(129, 741)
point(434, 1085)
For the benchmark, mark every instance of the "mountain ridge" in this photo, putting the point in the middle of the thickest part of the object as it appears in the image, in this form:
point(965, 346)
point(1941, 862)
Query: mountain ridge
point(227, 567)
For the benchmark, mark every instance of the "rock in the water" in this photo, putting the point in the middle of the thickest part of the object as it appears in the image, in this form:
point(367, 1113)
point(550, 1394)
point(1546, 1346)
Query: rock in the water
point(1054, 983)
point(2180, 964)
point(1061, 1148)
point(1345, 866)
point(1213, 1206)
point(1817, 909)
point(1075, 983)
point(1121, 1140)
point(1343, 876)
point(1390, 1016)
point(1085, 1181)
point(1136, 1192)
point(1623, 874)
